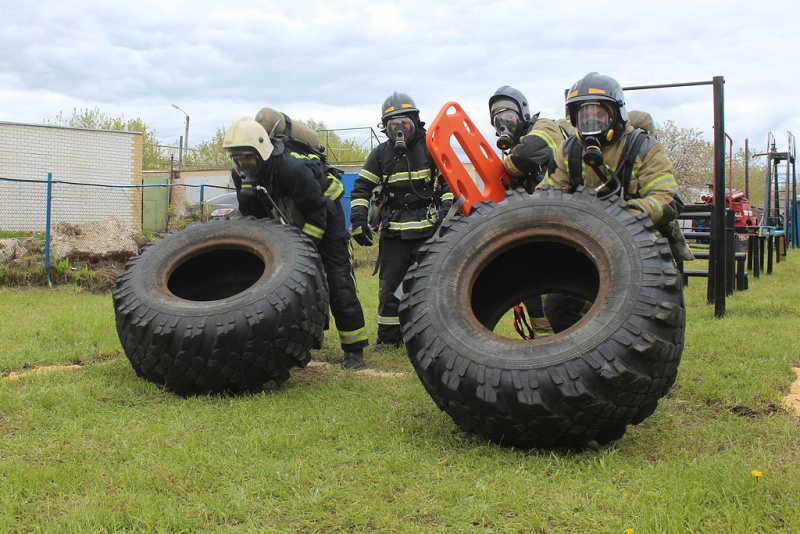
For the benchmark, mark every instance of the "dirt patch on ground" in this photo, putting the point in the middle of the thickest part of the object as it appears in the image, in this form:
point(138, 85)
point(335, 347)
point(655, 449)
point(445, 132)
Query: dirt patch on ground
point(792, 401)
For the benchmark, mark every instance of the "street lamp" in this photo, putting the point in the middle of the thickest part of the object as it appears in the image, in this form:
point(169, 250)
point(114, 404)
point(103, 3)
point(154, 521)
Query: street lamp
point(185, 138)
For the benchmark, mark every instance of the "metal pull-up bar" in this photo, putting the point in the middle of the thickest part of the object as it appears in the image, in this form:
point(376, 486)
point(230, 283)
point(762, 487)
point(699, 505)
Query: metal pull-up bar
point(716, 261)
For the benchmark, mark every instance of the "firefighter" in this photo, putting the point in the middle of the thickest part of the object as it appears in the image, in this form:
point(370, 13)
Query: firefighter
point(527, 141)
point(416, 199)
point(596, 108)
point(528, 144)
point(310, 198)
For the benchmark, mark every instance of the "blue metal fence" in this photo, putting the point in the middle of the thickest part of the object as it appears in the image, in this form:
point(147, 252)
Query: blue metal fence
point(31, 208)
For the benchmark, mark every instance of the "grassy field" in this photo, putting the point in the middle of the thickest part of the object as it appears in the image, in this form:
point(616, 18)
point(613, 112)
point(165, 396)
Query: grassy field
point(99, 450)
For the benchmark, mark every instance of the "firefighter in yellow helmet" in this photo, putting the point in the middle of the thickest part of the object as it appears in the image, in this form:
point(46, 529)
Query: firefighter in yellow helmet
point(310, 198)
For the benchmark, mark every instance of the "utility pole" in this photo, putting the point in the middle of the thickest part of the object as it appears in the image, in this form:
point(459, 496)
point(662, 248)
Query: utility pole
point(185, 144)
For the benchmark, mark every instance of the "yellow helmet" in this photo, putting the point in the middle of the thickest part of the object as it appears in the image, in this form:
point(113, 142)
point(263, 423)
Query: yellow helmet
point(247, 136)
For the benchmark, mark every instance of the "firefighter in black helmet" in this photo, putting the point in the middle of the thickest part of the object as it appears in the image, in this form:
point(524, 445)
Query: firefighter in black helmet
point(528, 143)
point(596, 108)
point(416, 199)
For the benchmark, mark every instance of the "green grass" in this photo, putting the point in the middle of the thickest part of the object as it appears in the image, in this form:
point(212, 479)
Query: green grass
point(99, 450)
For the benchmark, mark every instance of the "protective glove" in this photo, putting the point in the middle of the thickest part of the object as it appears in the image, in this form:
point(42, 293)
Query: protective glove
point(362, 234)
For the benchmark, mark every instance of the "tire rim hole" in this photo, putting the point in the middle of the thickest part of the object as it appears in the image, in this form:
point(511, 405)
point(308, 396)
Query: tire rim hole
point(215, 275)
point(528, 270)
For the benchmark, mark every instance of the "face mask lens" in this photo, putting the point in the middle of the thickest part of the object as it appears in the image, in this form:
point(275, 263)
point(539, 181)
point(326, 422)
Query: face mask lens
point(400, 124)
point(506, 122)
point(244, 164)
point(593, 119)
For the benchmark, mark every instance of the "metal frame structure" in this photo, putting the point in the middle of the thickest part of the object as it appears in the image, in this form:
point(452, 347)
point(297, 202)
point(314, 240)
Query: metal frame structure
point(772, 200)
point(717, 265)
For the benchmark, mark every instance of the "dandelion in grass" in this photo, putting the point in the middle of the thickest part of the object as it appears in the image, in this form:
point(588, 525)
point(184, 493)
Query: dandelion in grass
point(756, 473)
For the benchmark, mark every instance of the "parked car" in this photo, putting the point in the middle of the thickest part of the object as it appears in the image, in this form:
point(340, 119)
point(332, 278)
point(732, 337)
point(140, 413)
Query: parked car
point(222, 206)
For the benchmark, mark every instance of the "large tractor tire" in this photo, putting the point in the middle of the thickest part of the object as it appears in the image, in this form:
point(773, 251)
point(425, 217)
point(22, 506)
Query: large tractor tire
point(222, 307)
point(586, 383)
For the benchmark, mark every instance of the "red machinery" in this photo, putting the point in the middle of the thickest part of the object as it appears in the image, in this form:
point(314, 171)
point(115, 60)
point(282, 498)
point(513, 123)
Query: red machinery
point(735, 200)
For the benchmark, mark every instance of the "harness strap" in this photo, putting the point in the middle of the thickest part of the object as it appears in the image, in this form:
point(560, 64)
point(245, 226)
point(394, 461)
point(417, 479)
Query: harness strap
point(521, 320)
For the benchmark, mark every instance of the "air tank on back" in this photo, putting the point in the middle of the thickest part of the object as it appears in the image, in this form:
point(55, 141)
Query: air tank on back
point(271, 119)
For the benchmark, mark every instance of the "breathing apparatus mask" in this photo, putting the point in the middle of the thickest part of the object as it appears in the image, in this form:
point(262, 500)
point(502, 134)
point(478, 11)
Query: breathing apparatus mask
point(506, 123)
point(595, 120)
point(401, 130)
point(246, 164)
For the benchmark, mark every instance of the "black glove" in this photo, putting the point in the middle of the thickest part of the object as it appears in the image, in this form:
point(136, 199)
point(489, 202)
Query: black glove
point(362, 234)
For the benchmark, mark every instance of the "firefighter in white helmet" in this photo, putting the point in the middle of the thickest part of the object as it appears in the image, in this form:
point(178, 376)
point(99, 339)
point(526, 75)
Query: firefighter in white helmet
point(301, 190)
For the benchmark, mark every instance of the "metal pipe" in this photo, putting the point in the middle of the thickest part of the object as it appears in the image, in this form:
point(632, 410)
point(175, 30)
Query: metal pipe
point(185, 138)
point(747, 168)
point(730, 164)
point(768, 179)
point(665, 85)
point(717, 245)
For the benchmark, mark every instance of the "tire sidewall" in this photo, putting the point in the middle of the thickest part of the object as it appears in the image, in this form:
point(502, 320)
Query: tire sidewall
point(265, 238)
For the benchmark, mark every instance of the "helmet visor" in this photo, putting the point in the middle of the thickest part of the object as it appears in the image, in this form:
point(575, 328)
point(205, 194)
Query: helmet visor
point(400, 124)
point(505, 122)
point(594, 119)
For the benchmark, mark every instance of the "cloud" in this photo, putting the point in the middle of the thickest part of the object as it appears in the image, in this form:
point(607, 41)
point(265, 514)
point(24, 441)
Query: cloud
point(336, 62)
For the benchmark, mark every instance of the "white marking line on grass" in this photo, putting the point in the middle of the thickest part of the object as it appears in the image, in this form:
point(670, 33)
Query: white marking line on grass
point(368, 372)
point(41, 371)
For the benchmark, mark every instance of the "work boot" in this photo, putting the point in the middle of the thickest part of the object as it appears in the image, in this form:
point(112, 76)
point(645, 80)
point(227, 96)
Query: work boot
point(353, 360)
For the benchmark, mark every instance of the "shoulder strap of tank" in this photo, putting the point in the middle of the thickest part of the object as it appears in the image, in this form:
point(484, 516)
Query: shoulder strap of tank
point(385, 164)
point(627, 160)
point(572, 149)
point(297, 145)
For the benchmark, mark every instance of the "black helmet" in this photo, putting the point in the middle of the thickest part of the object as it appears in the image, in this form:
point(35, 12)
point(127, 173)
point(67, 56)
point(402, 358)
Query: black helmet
point(510, 115)
point(398, 104)
point(509, 98)
point(598, 91)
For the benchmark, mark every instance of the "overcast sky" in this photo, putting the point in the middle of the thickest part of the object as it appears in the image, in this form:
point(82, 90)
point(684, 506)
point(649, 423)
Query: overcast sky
point(335, 61)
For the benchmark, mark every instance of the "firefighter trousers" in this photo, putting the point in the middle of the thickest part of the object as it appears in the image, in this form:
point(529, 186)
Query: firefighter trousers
point(396, 256)
point(334, 250)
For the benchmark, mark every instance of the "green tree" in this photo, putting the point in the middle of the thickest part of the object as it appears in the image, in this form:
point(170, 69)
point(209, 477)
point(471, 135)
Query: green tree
point(209, 154)
point(693, 159)
point(94, 119)
point(690, 157)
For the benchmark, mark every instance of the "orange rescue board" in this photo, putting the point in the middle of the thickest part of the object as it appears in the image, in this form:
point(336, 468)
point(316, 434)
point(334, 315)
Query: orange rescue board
point(453, 122)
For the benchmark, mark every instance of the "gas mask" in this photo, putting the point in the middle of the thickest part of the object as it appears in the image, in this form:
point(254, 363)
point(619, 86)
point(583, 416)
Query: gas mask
point(400, 130)
point(247, 166)
point(505, 124)
point(595, 121)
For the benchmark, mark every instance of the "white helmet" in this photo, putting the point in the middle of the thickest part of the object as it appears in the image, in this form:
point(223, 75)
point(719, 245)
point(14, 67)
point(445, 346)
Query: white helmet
point(247, 137)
